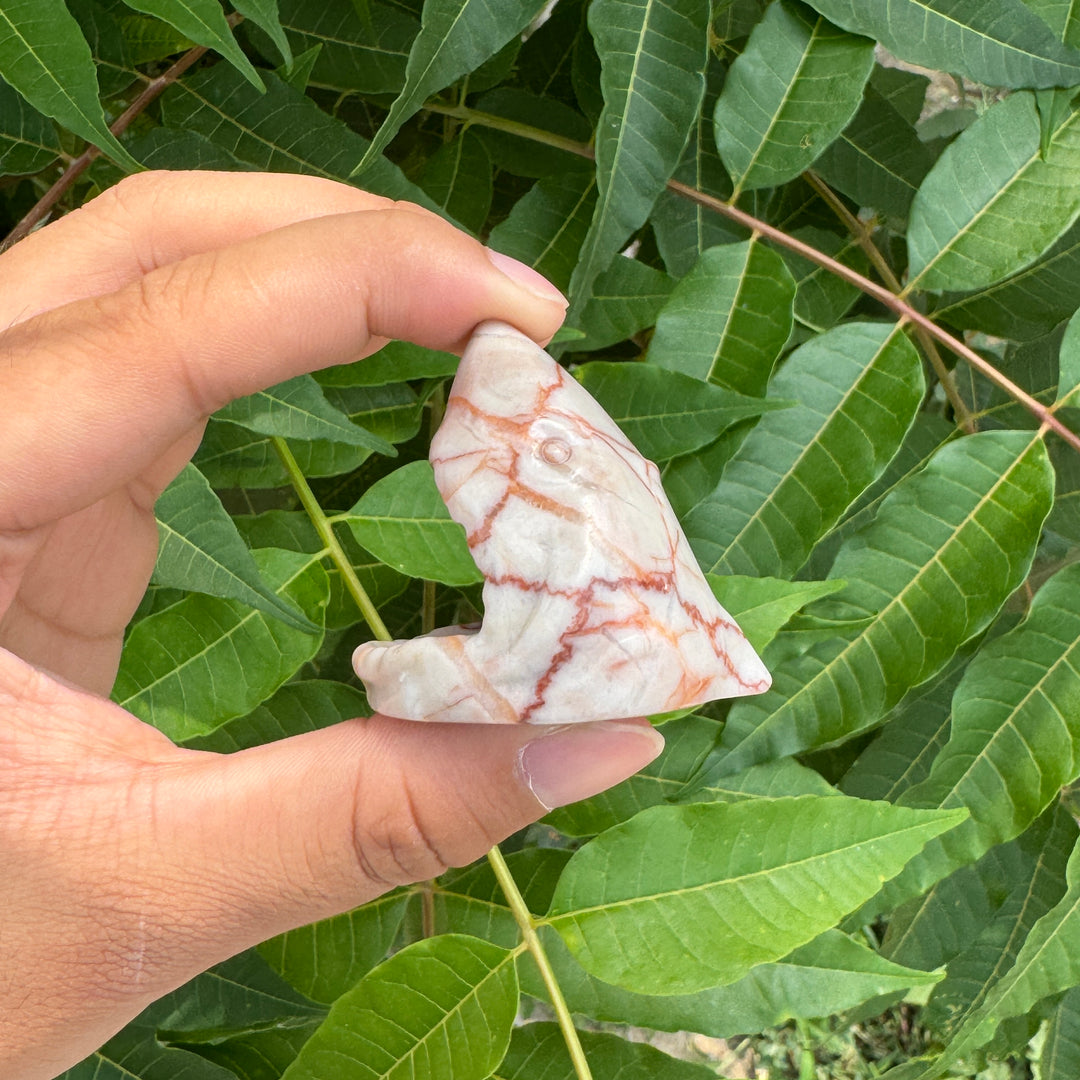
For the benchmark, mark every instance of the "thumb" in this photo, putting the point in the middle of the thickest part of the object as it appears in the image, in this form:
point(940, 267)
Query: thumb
point(295, 831)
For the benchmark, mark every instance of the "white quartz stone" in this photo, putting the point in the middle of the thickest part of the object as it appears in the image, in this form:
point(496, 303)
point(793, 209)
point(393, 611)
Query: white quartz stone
point(594, 605)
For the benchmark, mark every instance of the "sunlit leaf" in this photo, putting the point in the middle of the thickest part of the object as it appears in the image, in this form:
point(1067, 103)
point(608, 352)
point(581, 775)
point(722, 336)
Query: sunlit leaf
point(941, 556)
point(443, 1007)
point(200, 550)
point(192, 667)
point(680, 898)
point(1015, 736)
point(995, 201)
point(830, 974)
point(857, 389)
point(403, 520)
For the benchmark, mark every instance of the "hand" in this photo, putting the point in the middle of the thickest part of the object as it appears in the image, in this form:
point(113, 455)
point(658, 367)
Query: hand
point(128, 865)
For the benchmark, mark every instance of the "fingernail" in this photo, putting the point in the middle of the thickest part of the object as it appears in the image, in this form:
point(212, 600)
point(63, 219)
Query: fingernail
point(571, 763)
point(526, 277)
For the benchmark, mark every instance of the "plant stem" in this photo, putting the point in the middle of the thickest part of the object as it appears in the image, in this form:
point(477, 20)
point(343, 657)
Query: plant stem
point(862, 236)
point(511, 127)
point(527, 925)
point(326, 533)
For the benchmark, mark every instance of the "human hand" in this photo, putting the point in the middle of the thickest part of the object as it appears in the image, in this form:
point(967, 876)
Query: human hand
point(128, 865)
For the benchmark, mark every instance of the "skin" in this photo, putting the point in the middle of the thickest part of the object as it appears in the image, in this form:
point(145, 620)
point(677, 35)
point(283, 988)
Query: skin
point(127, 864)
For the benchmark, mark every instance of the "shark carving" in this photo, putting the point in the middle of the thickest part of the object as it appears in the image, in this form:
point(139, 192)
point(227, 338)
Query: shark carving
point(594, 605)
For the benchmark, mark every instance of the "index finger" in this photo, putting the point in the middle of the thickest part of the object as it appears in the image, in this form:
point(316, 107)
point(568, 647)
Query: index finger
point(96, 391)
point(153, 219)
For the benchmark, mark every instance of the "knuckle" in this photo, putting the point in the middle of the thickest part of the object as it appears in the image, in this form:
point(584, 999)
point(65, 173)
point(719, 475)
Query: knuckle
point(398, 847)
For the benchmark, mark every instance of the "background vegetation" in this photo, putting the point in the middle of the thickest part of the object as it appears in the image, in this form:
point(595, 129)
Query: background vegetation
point(841, 325)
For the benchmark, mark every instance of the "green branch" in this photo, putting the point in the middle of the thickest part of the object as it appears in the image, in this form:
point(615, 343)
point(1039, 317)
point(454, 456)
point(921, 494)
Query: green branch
point(333, 546)
point(527, 925)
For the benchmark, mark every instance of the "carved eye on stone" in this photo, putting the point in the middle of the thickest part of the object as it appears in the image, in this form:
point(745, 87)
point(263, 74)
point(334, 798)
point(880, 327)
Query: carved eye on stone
point(555, 451)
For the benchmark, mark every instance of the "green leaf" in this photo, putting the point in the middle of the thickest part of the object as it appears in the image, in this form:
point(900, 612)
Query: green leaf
point(393, 411)
point(879, 159)
point(1059, 1058)
point(456, 37)
point(397, 361)
point(547, 225)
point(471, 901)
point(136, 1052)
point(298, 409)
point(280, 130)
point(296, 708)
point(524, 156)
point(653, 55)
point(912, 736)
point(788, 95)
point(688, 741)
point(626, 299)
point(683, 227)
point(44, 56)
point(680, 898)
point(998, 42)
point(354, 57)
point(1048, 963)
point(264, 14)
point(763, 605)
point(192, 667)
point(232, 456)
point(326, 959)
point(973, 971)
point(443, 1007)
point(458, 179)
point(830, 974)
point(942, 555)
point(538, 1052)
point(932, 929)
point(665, 413)
point(1015, 739)
point(994, 202)
point(728, 319)
point(822, 299)
point(203, 21)
point(858, 388)
point(28, 140)
point(927, 434)
point(1028, 304)
point(241, 994)
point(1069, 371)
point(200, 550)
point(402, 520)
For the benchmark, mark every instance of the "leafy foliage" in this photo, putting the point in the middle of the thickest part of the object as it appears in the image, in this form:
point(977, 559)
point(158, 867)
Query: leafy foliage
point(900, 537)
